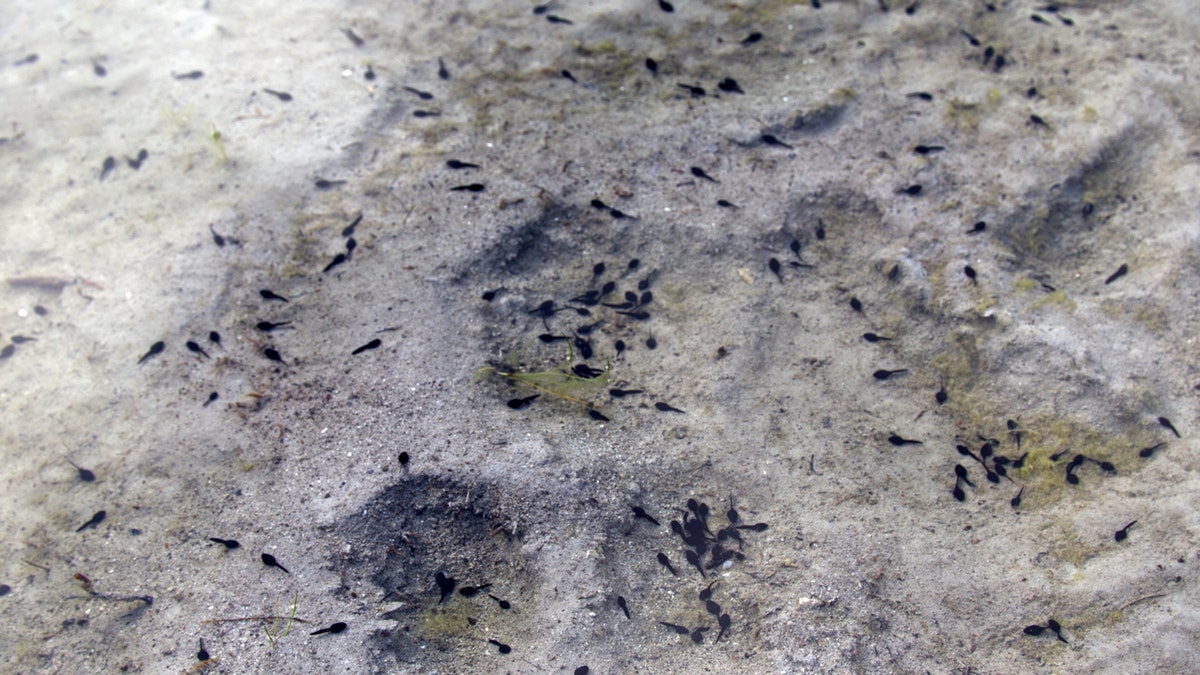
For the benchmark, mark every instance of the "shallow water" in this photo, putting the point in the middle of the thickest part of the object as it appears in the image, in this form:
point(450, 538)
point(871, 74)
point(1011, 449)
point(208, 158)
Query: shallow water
point(867, 563)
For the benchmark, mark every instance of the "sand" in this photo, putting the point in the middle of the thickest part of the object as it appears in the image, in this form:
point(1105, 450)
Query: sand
point(1077, 152)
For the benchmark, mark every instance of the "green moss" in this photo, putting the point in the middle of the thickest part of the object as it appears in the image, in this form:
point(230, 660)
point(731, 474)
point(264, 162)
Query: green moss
point(977, 407)
point(448, 620)
point(602, 47)
point(1055, 299)
point(558, 382)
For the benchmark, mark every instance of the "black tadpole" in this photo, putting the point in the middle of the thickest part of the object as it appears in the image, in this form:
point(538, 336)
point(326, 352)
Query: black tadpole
point(337, 260)
point(110, 164)
point(1123, 533)
point(1147, 452)
point(1016, 501)
point(960, 471)
point(268, 326)
point(196, 348)
point(95, 520)
point(373, 344)
point(445, 584)
point(730, 85)
point(85, 475)
point(1121, 271)
point(639, 512)
point(335, 628)
point(423, 95)
point(504, 649)
point(268, 294)
point(270, 561)
point(135, 163)
point(155, 349)
point(724, 622)
point(1166, 424)
point(624, 607)
point(774, 266)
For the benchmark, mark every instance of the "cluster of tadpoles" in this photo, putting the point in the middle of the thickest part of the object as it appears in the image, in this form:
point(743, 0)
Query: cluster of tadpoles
point(998, 469)
point(699, 540)
point(1001, 464)
point(710, 606)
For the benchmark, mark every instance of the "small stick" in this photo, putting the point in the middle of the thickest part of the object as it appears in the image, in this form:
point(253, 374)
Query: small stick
point(1145, 597)
point(265, 617)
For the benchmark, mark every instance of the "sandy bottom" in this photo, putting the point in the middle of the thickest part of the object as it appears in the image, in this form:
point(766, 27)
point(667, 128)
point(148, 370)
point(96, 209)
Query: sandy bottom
point(727, 325)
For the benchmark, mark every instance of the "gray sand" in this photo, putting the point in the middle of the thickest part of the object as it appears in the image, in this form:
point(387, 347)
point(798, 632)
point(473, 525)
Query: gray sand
point(868, 563)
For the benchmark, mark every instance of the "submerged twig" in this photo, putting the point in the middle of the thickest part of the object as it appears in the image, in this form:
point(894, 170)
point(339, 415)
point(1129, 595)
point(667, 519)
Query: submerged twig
point(1144, 597)
point(264, 617)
